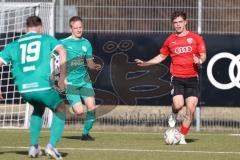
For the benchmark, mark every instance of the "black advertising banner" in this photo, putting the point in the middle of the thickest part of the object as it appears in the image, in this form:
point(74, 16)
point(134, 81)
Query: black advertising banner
point(121, 81)
point(220, 75)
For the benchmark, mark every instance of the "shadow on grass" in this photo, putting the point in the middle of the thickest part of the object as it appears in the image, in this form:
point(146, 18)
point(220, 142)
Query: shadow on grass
point(73, 137)
point(191, 140)
point(78, 138)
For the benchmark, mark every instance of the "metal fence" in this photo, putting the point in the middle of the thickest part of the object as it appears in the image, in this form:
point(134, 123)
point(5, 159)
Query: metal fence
point(150, 16)
point(147, 16)
point(124, 117)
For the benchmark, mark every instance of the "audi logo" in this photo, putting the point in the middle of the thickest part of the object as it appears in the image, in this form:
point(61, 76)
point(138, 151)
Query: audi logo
point(185, 49)
point(234, 79)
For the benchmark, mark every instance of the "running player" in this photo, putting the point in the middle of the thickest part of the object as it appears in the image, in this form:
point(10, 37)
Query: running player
point(30, 57)
point(79, 86)
point(187, 51)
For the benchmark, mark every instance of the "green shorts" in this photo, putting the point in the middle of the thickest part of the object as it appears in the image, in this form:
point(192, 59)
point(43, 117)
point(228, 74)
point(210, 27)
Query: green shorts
point(47, 98)
point(77, 93)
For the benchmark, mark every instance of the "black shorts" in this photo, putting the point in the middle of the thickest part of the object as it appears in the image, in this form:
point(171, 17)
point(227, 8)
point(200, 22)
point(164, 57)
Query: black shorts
point(185, 86)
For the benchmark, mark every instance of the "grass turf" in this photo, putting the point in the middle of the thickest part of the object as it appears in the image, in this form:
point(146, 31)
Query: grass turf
point(124, 145)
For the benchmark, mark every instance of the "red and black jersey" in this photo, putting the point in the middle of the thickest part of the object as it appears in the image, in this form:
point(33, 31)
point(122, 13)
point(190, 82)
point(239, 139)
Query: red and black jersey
point(181, 50)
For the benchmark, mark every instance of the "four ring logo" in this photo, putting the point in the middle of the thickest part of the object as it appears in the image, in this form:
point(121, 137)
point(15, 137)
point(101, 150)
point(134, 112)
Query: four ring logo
point(235, 79)
point(185, 49)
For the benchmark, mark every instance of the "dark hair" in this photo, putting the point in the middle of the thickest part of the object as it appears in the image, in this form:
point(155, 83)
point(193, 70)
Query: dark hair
point(74, 19)
point(176, 14)
point(33, 21)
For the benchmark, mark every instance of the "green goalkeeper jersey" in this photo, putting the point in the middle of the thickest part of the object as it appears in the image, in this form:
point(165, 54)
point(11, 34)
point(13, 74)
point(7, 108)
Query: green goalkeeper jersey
point(78, 52)
point(30, 57)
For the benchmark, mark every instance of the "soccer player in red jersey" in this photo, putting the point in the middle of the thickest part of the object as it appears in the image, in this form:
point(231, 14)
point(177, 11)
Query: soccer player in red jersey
point(187, 51)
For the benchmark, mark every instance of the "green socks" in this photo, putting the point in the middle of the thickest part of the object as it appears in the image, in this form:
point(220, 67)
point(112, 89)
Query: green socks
point(35, 128)
point(57, 127)
point(89, 121)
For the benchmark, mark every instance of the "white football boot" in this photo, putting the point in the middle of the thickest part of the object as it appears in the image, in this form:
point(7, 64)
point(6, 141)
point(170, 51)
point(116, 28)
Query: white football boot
point(34, 151)
point(52, 152)
point(182, 140)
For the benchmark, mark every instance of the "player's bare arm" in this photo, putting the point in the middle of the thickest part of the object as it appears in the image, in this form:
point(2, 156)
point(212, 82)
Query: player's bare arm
point(63, 67)
point(157, 59)
point(199, 60)
point(92, 65)
point(1, 63)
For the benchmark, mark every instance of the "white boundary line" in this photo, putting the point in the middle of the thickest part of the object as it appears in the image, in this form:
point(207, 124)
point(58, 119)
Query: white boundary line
point(131, 150)
point(234, 134)
point(115, 132)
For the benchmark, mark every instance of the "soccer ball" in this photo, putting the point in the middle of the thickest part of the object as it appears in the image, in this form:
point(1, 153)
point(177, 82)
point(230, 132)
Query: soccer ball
point(172, 136)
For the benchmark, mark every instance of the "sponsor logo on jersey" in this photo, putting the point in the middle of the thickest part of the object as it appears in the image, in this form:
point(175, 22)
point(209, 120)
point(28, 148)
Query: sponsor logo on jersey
point(30, 85)
point(189, 40)
point(30, 38)
point(185, 49)
point(29, 68)
point(84, 48)
point(77, 62)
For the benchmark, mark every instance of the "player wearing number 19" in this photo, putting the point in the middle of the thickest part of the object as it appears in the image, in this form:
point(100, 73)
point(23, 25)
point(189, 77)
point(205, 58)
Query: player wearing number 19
point(30, 57)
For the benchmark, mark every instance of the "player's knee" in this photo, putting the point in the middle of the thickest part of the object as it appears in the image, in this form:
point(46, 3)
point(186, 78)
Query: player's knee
point(90, 103)
point(91, 108)
point(176, 109)
point(178, 102)
point(177, 106)
point(78, 109)
point(191, 109)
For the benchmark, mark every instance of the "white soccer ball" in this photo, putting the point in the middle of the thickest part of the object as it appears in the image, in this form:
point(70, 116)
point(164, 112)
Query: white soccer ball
point(172, 136)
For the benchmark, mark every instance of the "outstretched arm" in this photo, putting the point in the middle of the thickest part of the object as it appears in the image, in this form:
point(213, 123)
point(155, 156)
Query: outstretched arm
point(155, 60)
point(92, 65)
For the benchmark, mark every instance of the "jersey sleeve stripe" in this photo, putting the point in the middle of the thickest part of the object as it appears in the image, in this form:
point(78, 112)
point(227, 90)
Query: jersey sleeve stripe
point(90, 58)
point(56, 47)
point(35, 90)
point(1, 59)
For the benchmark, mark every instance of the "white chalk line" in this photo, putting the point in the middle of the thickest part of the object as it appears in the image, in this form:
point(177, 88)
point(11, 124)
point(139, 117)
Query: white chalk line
point(130, 150)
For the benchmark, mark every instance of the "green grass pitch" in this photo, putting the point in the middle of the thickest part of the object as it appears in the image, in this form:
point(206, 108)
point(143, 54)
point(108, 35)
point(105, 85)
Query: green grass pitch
point(124, 146)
